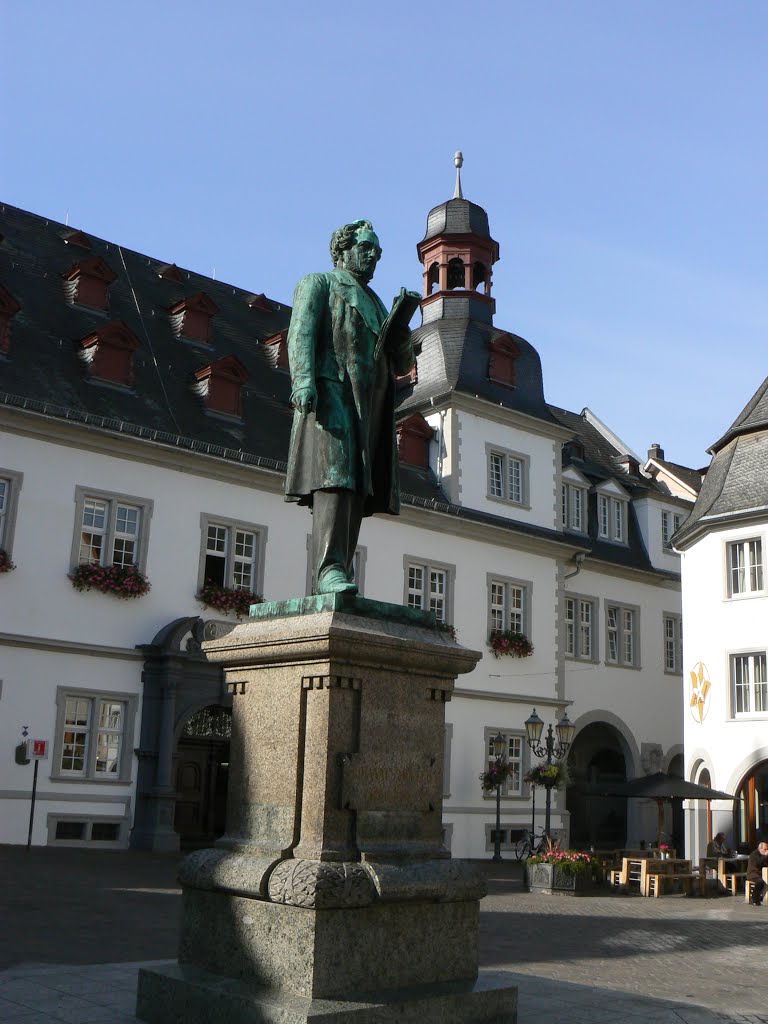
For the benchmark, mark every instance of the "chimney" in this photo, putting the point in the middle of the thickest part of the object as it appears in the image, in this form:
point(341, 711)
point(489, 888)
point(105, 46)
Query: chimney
point(656, 452)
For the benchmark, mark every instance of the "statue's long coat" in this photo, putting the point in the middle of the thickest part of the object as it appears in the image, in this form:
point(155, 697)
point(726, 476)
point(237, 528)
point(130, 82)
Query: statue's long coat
point(331, 343)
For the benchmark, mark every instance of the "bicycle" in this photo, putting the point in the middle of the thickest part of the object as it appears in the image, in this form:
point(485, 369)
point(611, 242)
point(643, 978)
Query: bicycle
point(527, 843)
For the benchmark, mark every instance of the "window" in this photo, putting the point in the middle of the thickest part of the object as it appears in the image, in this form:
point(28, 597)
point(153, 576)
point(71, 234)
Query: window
point(10, 485)
point(87, 283)
point(580, 628)
point(507, 476)
point(670, 523)
point(220, 385)
point(110, 529)
point(749, 684)
point(191, 318)
point(94, 734)
point(514, 756)
point(508, 605)
point(232, 554)
point(673, 643)
point(501, 363)
point(79, 830)
point(430, 587)
point(612, 518)
point(573, 505)
point(745, 567)
point(621, 626)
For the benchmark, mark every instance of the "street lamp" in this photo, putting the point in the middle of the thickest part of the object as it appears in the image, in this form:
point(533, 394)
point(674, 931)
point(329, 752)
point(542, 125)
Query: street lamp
point(551, 749)
point(499, 744)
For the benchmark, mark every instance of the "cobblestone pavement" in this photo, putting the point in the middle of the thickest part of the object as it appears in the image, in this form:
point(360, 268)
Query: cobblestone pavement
point(73, 927)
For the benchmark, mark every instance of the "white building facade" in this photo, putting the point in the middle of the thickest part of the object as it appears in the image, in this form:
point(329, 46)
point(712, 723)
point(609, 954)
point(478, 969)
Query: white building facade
point(144, 419)
point(725, 603)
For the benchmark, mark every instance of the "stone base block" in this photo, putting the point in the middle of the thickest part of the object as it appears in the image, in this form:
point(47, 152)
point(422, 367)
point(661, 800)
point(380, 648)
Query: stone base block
point(180, 994)
point(327, 953)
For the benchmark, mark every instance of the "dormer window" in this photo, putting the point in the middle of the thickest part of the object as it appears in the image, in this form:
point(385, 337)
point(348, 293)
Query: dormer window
point(276, 350)
point(220, 385)
point(9, 307)
point(108, 354)
point(262, 303)
point(75, 237)
point(191, 318)
point(87, 283)
point(170, 272)
point(573, 507)
point(574, 449)
point(612, 518)
point(501, 364)
point(413, 437)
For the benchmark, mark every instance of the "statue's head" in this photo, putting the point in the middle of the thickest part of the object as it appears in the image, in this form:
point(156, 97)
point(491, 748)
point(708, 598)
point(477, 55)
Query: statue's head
point(355, 247)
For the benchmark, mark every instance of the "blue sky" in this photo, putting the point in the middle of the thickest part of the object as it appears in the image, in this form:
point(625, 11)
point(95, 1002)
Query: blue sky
point(619, 148)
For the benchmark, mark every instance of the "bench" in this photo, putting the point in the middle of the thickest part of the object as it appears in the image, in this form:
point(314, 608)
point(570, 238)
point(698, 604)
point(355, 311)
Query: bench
point(654, 883)
point(748, 883)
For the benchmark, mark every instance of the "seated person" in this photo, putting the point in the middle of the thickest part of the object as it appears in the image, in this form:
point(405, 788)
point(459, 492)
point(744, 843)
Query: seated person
point(758, 859)
point(717, 847)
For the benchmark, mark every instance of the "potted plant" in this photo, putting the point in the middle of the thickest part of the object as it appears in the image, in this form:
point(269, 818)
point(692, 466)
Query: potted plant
point(553, 775)
point(511, 644)
point(118, 580)
point(566, 872)
point(227, 599)
point(496, 775)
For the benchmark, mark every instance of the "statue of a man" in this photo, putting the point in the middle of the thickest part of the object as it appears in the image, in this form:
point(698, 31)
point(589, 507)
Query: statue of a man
point(343, 459)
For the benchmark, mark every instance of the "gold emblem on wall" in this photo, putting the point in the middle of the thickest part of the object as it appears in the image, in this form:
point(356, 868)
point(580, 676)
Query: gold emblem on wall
point(700, 687)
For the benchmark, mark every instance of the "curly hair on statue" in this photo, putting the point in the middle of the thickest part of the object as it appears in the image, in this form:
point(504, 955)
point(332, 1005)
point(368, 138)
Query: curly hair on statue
point(344, 238)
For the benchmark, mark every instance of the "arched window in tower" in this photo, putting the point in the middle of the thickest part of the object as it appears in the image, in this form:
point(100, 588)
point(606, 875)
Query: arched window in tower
point(433, 278)
point(479, 275)
point(456, 273)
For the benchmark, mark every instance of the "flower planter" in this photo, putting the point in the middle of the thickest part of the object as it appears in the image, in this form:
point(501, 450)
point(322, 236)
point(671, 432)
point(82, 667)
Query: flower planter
point(549, 878)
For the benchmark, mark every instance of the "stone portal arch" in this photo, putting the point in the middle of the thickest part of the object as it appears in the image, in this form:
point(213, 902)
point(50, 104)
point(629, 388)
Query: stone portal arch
point(600, 753)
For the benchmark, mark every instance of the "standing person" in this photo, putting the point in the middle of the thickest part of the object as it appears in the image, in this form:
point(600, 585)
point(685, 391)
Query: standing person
point(716, 847)
point(758, 859)
point(342, 460)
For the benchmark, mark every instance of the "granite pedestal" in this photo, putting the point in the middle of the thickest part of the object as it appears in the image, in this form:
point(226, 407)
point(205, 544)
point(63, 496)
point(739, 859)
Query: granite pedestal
point(331, 896)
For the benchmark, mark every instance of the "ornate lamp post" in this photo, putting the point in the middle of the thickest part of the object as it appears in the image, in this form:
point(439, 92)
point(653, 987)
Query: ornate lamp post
point(551, 749)
point(499, 749)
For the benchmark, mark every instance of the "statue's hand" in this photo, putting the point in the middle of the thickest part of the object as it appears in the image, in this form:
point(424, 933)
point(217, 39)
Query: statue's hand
point(304, 399)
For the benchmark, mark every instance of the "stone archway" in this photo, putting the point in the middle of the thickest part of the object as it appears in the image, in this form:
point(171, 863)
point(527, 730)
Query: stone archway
point(598, 755)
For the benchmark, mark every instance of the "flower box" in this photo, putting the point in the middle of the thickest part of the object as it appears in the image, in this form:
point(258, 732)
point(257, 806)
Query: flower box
point(507, 643)
point(227, 599)
point(124, 581)
point(551, 879)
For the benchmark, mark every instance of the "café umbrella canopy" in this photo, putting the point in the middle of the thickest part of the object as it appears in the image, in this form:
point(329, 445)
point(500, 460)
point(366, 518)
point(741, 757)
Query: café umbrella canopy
point(663, 789)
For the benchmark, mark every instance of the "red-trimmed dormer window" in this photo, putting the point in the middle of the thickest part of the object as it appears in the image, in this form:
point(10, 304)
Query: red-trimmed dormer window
point(87, 283)
point(170, 272)
point(501, 365)
point(75, 237)
point(276, 350)
point(406, 380)
point(9, 307)
point(413, 437)
point(191, 317)
point(108, 354)
point(220, 385)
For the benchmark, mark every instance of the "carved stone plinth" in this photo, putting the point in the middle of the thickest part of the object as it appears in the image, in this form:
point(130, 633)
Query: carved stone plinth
point(331, 894)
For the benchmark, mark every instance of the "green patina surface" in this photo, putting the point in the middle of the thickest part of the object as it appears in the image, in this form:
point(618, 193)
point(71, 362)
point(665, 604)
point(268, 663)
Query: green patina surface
point(352, 604)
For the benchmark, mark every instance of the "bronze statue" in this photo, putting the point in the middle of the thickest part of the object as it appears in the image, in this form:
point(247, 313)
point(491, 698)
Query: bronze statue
point(344, 351)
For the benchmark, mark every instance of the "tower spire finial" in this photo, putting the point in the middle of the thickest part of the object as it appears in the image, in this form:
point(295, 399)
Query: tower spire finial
point(458, 160)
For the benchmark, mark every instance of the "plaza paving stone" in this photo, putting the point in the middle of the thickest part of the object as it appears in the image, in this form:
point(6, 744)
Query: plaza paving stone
point(76, 925)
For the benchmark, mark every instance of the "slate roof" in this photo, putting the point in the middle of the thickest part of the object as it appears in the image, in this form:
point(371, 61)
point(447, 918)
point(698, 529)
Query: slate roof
point(453, 356)
point(754, 416)
point(691, 477)
point(457, 217)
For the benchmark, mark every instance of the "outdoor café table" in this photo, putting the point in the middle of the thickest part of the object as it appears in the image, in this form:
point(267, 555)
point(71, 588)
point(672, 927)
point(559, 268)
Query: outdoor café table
point(730, 865)
point(662, 866)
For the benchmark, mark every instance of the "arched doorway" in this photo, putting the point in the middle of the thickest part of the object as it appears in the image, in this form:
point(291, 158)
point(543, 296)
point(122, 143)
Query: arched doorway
point(750, 815)
point(677, 836)
point(201, 775)
point(596, 757)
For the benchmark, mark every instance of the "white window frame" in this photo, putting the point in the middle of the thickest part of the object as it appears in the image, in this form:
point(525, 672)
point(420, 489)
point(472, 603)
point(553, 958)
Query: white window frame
point(231, 528)
point(97, 699)
point(423, 592)
point(580, 632)
point(573, 507)
point(754, 690)
point(511, 484)
point(612, 518)
point(670, 524)
point(9, 508)
point(627, 634)
point(110, 531)
point(514, 609)
point(516, 753)
point(672, 627)
point(748, 571)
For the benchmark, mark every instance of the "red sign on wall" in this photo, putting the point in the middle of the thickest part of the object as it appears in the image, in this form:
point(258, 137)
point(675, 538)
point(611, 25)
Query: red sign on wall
point(37, 750)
